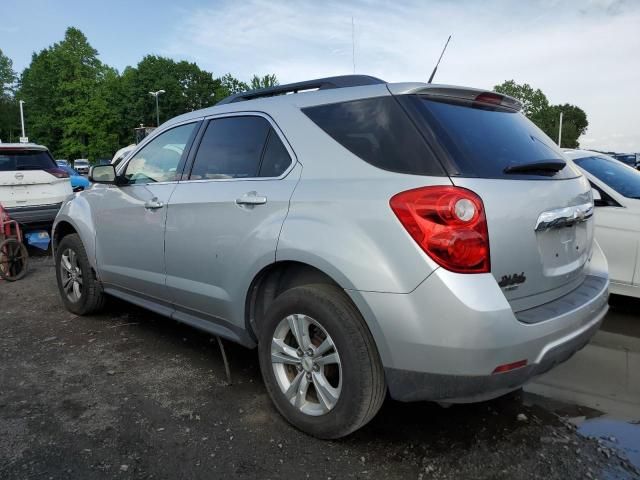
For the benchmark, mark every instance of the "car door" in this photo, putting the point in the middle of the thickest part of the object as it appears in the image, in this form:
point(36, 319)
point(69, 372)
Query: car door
point(224, 220)
point(617, 235)
point(130, 216)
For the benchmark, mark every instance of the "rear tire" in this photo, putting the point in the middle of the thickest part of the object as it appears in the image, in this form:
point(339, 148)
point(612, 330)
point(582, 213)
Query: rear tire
point(334, 384)
point(80, 291)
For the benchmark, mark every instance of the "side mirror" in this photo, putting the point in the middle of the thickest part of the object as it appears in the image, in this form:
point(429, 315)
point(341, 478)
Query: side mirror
point(102, 174)
point(597, 199)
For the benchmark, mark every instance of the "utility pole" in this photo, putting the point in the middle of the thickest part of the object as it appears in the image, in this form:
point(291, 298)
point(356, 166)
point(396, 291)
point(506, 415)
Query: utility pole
point(156, 94)
point(22, 117)
point(560, 131)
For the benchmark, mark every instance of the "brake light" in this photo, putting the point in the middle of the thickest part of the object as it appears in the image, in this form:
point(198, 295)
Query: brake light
point(490, 98)
point(57, 172)
point(449, 224)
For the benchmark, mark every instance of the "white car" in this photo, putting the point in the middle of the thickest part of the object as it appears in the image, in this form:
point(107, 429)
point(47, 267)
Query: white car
point(616, 192)
point(32, 186)
point(81, 165)
point(121, 154)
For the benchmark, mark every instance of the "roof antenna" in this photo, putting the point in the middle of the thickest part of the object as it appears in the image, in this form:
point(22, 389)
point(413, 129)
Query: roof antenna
point(353, 45)
point(435, 69)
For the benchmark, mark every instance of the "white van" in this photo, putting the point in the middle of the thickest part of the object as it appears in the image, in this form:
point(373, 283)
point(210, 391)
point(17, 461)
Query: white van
point(32, 186)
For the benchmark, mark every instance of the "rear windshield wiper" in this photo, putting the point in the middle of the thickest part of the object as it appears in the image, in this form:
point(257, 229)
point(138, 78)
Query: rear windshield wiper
point(547, 167)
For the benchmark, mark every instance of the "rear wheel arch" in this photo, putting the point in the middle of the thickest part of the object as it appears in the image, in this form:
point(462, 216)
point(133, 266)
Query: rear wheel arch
point(275, 279)
point(62, 229)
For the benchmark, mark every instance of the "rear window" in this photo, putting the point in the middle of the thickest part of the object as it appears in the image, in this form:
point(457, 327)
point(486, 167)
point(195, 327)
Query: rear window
point(623, 179)
point(379, 132)
point(482, 141)
point(11, 160)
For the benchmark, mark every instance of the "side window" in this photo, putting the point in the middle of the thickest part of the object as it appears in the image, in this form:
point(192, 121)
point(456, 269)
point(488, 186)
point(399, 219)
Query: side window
point(379, 132)
point(231, 148)
point(275, 159)
point(159, 160)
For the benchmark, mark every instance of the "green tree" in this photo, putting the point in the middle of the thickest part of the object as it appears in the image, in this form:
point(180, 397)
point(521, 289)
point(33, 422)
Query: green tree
point(263, 82)
point(186, 87)
point(9, 111)
point(7, 75)
point(230, 85)
point(61, 88)
point(537, 108)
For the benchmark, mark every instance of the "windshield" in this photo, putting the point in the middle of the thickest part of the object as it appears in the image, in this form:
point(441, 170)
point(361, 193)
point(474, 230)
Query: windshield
point(488, 141)
point(628, 159)
point(81, 162)
point(618, 176)
point(11, 160)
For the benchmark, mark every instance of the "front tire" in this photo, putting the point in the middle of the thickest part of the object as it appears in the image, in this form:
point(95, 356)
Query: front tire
point(80, 291)
point(319, 362)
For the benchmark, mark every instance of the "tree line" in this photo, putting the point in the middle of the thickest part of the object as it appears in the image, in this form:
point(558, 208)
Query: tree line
point(546, 116)
point(80, 107)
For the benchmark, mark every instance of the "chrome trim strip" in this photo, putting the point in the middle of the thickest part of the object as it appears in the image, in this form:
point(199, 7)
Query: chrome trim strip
point(564, 217)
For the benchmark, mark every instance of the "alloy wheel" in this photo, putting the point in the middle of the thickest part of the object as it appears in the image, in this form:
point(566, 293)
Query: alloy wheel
point(306, 364)
point(71, 275)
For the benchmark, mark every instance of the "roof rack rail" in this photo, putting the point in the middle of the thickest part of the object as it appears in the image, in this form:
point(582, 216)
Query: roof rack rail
point(318, 84)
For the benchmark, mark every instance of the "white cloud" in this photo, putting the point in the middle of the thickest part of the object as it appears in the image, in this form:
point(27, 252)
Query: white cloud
point(585, 53)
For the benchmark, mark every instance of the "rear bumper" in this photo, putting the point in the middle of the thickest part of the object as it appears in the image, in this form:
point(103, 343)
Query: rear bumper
point(409, 386)
point(443, 341)
point(34, 216)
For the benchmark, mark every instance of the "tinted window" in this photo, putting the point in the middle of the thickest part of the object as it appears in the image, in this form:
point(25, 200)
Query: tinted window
point(628, 159)
point(379, 132)
point(623, 179)
point(231, 148)
point(159, 160)
point(275, 159)
point(25, 160)
point(483, 141)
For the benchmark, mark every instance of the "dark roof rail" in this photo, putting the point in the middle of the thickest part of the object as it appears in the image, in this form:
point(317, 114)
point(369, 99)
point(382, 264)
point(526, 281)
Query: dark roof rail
point(318, 84)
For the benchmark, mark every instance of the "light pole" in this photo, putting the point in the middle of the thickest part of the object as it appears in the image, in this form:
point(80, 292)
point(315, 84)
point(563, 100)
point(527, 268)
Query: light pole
point(560, 132)
point(22, 117)
point(155, 94)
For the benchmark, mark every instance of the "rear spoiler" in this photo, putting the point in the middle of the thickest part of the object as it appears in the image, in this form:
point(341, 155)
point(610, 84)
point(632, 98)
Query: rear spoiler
point(444, 92)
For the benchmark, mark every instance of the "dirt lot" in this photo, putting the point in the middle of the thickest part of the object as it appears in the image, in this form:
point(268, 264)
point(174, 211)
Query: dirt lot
point(126, 394)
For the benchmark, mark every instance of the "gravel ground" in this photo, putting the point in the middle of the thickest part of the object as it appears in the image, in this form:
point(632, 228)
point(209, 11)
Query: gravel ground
point(127, 394)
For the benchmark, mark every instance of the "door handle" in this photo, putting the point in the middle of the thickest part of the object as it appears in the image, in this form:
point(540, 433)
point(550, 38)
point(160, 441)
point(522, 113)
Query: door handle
point(153, 204)
point(251, 198)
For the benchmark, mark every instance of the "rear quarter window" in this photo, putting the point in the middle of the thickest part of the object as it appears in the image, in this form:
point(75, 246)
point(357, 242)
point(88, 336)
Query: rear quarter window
point(379, 132)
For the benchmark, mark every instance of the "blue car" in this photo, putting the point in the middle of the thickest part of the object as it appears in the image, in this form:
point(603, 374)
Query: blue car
point(78, 182)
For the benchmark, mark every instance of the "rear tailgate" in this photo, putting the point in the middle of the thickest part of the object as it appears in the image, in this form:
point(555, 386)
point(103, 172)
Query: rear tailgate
point(539, 209)
point(30, 177)
point(535, 266)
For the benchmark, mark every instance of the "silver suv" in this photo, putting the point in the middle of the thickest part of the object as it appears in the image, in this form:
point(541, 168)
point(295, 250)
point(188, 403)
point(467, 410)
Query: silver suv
point(422, 240)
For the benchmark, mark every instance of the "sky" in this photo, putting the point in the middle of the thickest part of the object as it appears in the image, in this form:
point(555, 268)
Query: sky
point(586, 53)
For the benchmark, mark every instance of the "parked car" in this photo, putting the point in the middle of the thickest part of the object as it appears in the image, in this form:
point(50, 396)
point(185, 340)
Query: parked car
point(367, 237)
point(630, 159)
point(617, 200)
point(81, 166)
point(121, 154)
point(61, 162)
point(78, 182)
point(32, 185)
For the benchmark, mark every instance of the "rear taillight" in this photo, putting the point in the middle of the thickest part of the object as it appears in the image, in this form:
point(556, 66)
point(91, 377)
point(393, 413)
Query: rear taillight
point(449, 224)
point(57, 172)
